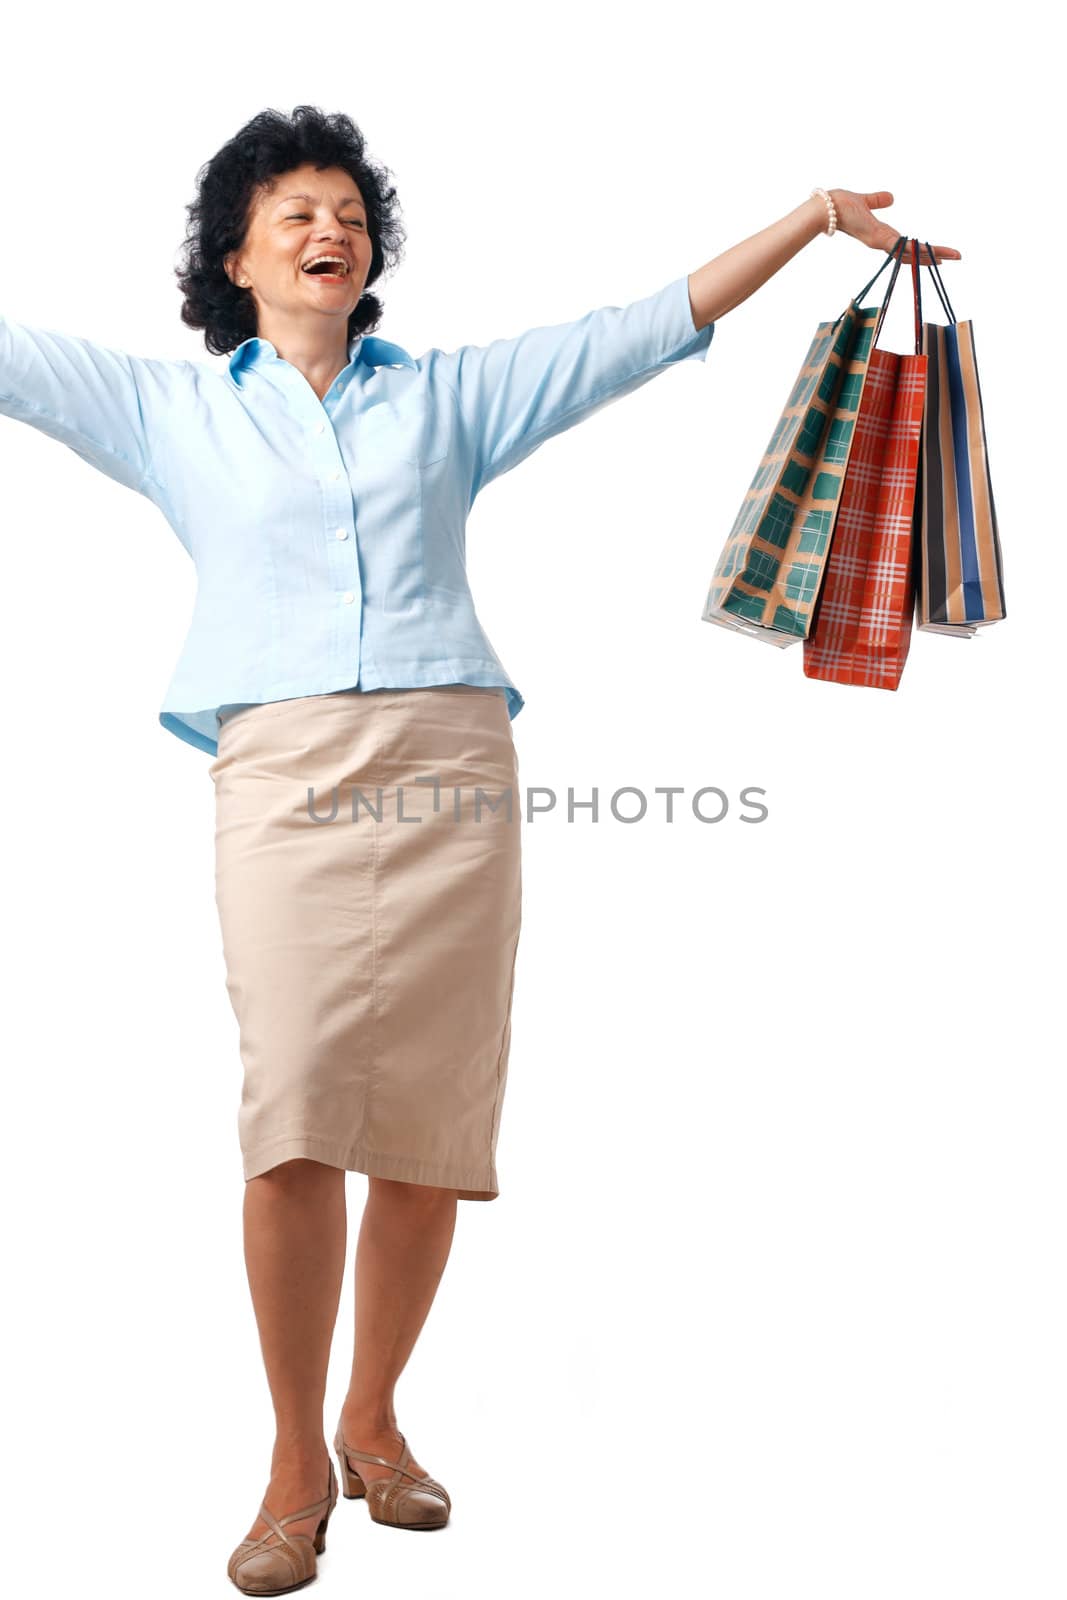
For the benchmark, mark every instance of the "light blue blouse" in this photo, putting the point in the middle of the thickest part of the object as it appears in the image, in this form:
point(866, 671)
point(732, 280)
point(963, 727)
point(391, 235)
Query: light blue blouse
point(329, 538)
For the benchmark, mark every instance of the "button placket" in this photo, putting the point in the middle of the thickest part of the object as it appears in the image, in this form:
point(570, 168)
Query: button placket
point(337, 504)
point(327, 463)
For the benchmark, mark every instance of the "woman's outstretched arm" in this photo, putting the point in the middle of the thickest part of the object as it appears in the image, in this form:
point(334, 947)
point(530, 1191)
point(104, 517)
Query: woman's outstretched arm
point(728, 279)
point(513, 394)
point(97, 401)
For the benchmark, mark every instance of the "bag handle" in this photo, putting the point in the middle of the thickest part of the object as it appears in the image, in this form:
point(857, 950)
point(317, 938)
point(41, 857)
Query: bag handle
point(938, 285)
point(917, 298)
point(857, 299)
point(900, 245)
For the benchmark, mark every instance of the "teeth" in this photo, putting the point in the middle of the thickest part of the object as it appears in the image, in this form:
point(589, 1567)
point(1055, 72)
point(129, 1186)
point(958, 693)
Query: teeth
point(340, 259)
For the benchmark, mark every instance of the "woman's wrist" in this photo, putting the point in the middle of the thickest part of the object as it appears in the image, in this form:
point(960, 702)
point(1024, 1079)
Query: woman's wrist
point(728, 279)
point(811, 216)
point(825, 210)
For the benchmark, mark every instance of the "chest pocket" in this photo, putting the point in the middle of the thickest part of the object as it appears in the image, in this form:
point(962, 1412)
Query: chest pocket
point(404, 503)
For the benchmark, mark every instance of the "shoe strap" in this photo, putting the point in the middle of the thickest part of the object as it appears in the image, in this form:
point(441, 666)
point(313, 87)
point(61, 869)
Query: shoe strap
point(380, 1461)
point(277, 1526)
point(273, 1526)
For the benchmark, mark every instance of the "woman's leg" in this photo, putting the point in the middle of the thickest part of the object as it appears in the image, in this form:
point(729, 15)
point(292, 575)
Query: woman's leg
point(404, 1242)
point(295, 1237)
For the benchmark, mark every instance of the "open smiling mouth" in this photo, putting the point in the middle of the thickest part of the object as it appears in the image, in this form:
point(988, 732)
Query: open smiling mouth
point(331, 271)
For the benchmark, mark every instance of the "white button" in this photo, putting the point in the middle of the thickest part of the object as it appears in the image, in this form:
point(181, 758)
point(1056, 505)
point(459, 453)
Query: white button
point(320, 427)
point(336, 477)
point(348, 597)
point(342, 533)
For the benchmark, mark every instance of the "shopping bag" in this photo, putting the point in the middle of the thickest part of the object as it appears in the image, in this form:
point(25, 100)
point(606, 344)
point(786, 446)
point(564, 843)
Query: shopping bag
point(862, 627)
point(768, 574)
point(959, 570)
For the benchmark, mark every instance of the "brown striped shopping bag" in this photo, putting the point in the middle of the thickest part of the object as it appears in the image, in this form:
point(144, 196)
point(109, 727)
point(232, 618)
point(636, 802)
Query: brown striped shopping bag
point(960, 575)
point(862, 627)
point(768, 574)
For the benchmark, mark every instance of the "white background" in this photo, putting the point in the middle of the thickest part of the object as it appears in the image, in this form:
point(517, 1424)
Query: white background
point(772, 1301)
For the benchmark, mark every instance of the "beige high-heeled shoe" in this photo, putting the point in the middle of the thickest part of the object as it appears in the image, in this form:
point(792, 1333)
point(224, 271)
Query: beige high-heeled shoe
point(422, 1503)
point(257, 1567)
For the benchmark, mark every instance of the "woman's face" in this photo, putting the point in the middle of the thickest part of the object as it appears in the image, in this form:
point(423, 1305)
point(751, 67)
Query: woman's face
point(305, 214)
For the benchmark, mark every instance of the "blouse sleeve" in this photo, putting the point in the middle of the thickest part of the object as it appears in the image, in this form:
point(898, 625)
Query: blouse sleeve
point(514, 394)
point(92, 399)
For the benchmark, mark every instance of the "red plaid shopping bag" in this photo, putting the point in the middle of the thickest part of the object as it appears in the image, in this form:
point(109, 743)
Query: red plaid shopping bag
point(862, 625)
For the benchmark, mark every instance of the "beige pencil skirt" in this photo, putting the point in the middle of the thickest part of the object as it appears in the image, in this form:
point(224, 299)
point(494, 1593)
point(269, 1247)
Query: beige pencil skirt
point(369, 883)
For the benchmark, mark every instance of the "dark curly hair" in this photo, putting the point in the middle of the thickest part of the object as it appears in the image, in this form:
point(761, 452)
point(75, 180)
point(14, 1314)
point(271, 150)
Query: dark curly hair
point(265, 148)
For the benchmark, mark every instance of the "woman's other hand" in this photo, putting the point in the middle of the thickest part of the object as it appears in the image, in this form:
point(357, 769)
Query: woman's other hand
point(855, 216)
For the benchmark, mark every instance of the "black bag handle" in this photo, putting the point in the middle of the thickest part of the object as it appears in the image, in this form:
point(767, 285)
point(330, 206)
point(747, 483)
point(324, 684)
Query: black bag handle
point(901, 245)
point(938, 285)
point(857, 299)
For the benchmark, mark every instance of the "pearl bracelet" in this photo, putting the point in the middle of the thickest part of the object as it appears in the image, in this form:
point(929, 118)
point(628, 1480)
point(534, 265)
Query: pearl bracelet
point(833, 211)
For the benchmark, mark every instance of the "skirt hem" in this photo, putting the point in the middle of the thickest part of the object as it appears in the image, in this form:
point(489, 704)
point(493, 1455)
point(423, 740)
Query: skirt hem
point(402, 1169)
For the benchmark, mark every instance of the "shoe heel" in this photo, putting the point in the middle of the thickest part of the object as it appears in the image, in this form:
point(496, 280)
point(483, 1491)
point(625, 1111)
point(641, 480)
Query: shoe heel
point(320, 1535)
point(352, 1485)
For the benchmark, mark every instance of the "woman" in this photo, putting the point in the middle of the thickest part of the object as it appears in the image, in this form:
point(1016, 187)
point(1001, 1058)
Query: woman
point(321, 484)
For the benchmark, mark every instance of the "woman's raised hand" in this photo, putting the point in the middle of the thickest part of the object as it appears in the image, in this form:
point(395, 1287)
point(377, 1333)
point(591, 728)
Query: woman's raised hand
point(855, 216)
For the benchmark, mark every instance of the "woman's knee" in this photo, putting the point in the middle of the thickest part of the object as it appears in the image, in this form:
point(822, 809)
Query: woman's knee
point(397, 1192)
point(298, 1172)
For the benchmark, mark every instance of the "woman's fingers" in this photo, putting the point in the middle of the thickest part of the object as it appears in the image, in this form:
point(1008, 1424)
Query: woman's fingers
point(855, 216)
point(942, 252)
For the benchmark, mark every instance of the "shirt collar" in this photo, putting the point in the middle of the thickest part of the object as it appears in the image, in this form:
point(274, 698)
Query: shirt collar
point(365, 347)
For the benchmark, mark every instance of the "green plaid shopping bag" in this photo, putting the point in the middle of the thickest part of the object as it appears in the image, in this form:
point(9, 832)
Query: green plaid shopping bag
point(768, 575)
